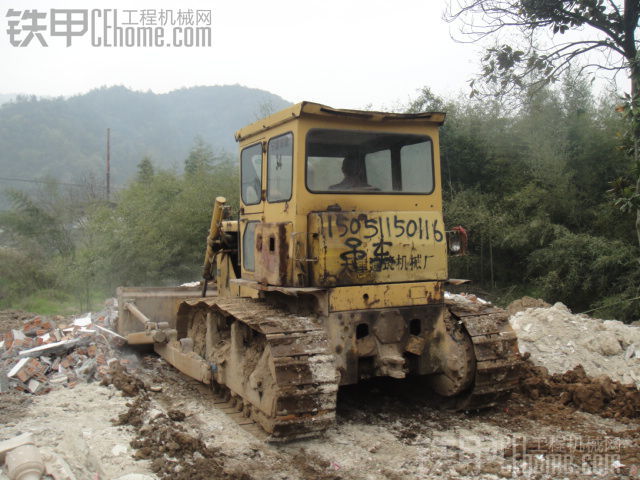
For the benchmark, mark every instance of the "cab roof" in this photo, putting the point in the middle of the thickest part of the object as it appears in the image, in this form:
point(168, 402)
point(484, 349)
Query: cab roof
point(304, 109)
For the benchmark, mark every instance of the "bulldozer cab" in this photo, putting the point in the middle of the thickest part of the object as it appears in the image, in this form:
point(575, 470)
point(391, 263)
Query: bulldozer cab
point(334, 198)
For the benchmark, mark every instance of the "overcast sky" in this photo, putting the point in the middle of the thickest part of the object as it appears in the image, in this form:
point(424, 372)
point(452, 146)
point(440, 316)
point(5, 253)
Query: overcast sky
point(344, 53)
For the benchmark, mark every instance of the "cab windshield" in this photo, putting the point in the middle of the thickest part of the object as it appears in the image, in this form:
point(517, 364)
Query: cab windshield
point(347, 161)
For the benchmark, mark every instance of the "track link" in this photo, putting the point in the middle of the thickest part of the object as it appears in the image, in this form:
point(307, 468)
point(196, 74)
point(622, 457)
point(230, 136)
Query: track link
point(274, 367)
point(495, 347)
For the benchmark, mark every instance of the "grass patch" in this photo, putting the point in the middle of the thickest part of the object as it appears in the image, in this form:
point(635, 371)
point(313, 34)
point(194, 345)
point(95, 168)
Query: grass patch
point(55, 302)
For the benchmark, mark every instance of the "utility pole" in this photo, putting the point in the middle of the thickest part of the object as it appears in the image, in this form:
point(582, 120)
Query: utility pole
point(108, 162)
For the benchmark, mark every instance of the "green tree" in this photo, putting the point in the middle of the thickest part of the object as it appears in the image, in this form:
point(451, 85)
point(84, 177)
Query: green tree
point(42, 232)
point(200, 158)
point(529, 186)
point(607, 42)
point(580, 268)
point(145, 171)
point(48, 217)
point(610, 43)
point(156, 233)
point(427, 101)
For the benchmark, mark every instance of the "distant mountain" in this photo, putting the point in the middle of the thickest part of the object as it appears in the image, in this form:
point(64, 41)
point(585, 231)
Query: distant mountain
point(65, 138)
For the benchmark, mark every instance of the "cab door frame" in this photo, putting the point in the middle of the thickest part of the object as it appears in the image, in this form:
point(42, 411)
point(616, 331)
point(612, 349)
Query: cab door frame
point(251, 213)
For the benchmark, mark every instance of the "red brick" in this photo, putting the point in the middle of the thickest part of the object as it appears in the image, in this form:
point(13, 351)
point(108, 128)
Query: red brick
point(30, 369)
point(32, 325)
point(47, 325)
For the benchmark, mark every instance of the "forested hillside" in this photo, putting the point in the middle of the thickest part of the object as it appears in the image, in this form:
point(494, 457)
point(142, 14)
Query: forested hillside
point(535, 186)
point(65, 138)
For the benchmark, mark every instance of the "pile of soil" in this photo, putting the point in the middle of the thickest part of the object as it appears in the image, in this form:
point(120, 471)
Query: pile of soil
point(599, 395)
point(119, 377)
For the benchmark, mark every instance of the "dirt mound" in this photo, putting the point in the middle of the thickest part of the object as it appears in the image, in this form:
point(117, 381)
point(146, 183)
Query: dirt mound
point(174, 453)
point(118, 376)
point(599, 395)
point(135, 413)
point(526, 302)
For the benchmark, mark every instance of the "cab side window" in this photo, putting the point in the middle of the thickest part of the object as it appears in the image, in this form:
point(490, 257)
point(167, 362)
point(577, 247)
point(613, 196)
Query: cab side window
point(280, 168)
point(251, 174)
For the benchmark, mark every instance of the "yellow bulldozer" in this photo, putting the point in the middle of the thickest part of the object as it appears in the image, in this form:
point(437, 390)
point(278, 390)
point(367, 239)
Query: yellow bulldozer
point(333, 271)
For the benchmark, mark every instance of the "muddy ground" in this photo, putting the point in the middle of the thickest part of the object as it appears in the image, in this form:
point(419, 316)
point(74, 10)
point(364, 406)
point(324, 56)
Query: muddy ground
point(160, 424)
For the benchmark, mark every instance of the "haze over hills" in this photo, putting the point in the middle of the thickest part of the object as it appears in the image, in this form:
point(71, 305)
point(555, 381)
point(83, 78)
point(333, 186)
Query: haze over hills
point(64, 138)
point(7, 97)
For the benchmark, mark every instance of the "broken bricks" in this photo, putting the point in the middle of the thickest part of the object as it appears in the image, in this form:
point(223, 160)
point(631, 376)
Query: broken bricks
point(40, 356)
point(37, 326)
point(26, 368)
point(16, 339)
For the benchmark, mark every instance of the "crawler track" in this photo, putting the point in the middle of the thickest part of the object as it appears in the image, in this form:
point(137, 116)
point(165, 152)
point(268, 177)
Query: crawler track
point(273, 371)
point(275, 368)
point(495, 351)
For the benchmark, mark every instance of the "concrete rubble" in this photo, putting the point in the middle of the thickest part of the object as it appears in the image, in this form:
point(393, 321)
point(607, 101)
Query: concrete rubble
point(23, 460)
point(559, 340)
point(48, 353)
point(465, 298)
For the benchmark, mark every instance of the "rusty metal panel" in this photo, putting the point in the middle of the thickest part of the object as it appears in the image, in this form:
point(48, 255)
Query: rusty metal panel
point(360, 248)
point(385, 295)
point(273, 263)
